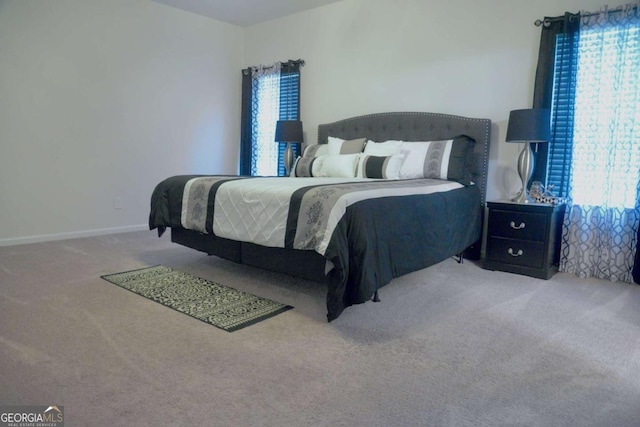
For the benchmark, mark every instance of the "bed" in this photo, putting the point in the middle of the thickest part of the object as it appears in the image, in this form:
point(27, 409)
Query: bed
point(354, 235)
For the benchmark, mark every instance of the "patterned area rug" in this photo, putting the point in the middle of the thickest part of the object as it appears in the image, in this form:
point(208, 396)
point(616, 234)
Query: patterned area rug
point(216, 304)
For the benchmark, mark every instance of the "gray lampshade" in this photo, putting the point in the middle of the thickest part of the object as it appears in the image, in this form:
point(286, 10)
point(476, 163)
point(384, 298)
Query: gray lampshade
point(288, 131)
point(530, 125)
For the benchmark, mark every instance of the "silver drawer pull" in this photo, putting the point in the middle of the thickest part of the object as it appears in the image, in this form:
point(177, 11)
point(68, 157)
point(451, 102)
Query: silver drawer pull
point(519, 227)
point(512, 253)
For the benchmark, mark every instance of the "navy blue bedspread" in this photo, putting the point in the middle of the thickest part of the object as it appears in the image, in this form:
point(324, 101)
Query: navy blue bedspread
point(375, 241)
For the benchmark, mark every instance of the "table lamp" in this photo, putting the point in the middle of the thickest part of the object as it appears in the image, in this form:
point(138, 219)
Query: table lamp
point(288, 131)
point(528, 126)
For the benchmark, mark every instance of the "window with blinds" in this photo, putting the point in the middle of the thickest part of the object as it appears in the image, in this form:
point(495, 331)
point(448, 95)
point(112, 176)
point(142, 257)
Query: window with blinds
point(562, 114)
point(289, 109)
point(596, 87)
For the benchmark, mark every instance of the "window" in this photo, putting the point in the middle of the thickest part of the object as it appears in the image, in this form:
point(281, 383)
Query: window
point(595, 119)
point(265, 109)
point(289, 109)
point(562, 111)
point(269, 94)
point(606, 142)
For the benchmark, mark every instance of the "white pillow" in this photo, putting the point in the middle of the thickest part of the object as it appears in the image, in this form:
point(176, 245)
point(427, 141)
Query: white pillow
point(316, 166)
point(386, 148)
point(414, 157)
point(336, 165)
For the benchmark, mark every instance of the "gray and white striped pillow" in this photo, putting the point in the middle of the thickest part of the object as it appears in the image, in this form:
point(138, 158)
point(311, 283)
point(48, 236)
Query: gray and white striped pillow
point(380, 167)
point(448, 159)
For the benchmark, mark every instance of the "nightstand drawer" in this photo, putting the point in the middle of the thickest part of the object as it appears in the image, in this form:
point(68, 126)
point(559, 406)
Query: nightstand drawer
point(518, 225)
point(515, 252)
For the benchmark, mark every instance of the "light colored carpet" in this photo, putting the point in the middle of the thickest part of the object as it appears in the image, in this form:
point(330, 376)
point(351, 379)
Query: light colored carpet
point(451, 345)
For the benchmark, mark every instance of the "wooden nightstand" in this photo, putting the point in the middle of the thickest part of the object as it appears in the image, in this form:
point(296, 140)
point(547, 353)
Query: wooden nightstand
point(524, 238)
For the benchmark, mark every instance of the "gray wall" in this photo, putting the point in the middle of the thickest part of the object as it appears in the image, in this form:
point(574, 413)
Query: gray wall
point(100, 100)
point(472, 58)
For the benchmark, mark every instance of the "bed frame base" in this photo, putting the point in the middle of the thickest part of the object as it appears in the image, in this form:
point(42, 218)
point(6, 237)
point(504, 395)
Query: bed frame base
point(307, 265)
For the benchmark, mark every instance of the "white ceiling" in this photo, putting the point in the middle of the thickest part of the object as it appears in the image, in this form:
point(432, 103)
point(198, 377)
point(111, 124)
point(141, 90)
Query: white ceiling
point(245, 12)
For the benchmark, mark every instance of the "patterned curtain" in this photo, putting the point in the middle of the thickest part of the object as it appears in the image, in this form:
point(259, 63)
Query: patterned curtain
point(265, 107)
point(601, 223)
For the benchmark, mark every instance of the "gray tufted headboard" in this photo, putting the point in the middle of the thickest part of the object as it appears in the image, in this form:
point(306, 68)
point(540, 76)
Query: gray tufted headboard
point(409, 126)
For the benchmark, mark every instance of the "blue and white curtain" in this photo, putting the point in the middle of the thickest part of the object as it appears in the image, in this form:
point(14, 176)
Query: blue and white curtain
point(265, 83)
point(601, 223)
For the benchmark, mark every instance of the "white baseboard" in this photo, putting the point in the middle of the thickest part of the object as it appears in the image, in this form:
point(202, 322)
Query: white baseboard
point(70, 235)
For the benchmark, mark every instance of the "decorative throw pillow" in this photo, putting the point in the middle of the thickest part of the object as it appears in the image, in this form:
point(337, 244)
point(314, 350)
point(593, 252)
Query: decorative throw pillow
point(380, 167)
point(316, 150)
point(450, 159)
point(337, 165)
point(341, 146)
point(386, 148)
point(303, 167)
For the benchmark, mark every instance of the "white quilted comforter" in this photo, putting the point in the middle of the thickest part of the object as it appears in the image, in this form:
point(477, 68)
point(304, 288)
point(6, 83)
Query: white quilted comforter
point(256, 210)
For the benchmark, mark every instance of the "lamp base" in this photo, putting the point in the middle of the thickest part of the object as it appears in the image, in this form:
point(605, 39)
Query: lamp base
point(526, 163)
point(522, 197)
point(288, 158)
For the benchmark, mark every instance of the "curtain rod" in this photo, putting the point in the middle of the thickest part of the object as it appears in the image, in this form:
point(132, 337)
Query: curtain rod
point(289, 62)
point(547, 21)
point(299, 62)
